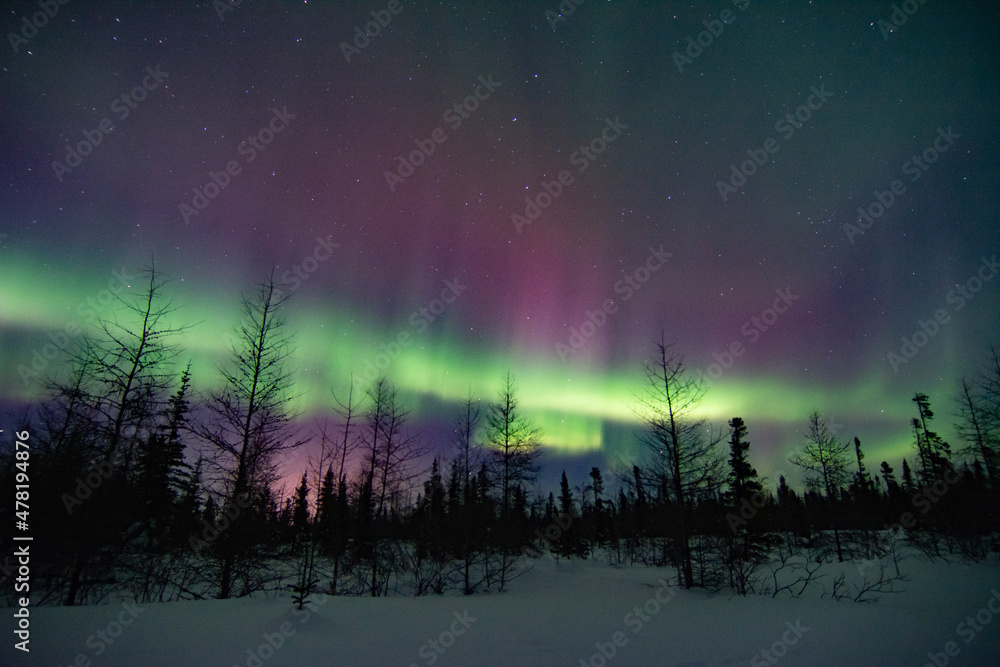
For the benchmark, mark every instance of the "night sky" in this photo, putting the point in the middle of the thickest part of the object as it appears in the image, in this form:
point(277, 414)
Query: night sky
point(489, 186)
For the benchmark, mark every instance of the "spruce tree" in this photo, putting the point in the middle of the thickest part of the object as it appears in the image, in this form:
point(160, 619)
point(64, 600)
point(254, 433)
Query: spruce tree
point(744, 545)
point(302, 540)
point(596, 527)
point(432, 531)
point(891, 485)
point(742, 478)
point(598, 485)
point(935, 453)
point(908, 484)
point(325, 505)
point(300, 512)
point(568, 543)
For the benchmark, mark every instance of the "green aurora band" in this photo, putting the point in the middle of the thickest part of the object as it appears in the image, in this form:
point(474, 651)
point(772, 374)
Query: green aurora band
point(574, 406)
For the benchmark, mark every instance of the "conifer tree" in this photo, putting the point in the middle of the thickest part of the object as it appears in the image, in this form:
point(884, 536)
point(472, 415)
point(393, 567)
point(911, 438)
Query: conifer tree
point(978, 427)
point(598, 524)
point(461, 495)
point(431, 509)
point(568, 543)
point(908, 484)
point(891, 485)
point(742, 479)
point(597, 483)
point(935, 453)
point(744, 546)
point(302, 541)
point(300, 511)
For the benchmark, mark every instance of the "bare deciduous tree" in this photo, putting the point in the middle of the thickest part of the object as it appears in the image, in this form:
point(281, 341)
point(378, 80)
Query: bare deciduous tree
point(113, 402)
point(976, 429)
point(466, 427)
point(825, 462)
point(388, 472)
point(979, 414)
point(513, 444)
point(331, 492)
point(128, 369)
point(251, 417)
point(684, 455)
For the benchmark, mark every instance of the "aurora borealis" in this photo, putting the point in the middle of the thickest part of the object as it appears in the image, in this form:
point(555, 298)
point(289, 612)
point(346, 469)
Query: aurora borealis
point(539, 187)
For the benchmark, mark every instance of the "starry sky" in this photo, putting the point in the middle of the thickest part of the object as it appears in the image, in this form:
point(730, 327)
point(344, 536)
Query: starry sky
point(785, 190)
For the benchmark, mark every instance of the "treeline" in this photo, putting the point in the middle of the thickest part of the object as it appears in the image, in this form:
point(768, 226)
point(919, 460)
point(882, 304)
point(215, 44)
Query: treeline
point(138, 487)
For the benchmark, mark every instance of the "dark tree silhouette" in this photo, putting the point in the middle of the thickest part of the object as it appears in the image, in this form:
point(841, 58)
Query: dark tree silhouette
point(908, 484)
point(935, 453)
point(467, 425)
point(742, 479)
point(251, 421)
point(978, 428)
point(681, 457)
point(513, 443)
point(569, 542)
point(388, 473)
point(891, 485)
point(112, 405)
point(824, 462)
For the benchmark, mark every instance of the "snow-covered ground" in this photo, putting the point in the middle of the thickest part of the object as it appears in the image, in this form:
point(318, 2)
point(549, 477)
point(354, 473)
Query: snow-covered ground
point(565, 613)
